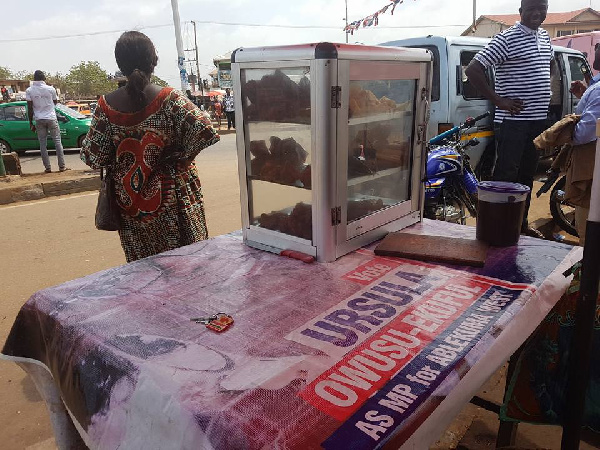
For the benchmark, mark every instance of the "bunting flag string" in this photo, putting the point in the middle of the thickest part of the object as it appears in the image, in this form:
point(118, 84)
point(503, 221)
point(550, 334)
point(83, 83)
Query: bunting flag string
point(373, 19)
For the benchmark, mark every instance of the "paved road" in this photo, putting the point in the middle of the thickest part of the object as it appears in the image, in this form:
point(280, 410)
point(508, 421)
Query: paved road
point(48, 242)
point(31, 161)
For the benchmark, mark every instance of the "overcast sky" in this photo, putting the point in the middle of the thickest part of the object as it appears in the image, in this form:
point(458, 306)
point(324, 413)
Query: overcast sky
point(28, 39)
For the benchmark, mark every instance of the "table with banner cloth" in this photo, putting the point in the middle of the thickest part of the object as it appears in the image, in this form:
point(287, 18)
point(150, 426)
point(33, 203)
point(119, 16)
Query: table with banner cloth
point(361, 353)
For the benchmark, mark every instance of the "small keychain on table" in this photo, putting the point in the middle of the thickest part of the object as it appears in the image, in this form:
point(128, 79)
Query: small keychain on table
point(217, 322)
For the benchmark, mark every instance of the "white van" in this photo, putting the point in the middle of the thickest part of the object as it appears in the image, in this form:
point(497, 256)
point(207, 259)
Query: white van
point(453, 98)
point(584, 42)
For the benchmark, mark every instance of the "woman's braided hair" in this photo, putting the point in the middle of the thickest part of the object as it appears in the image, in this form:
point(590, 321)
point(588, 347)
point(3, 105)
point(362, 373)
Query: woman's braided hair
point(136, 58)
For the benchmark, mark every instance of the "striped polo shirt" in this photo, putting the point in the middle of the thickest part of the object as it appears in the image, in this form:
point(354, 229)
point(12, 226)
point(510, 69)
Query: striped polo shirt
point(522, 59)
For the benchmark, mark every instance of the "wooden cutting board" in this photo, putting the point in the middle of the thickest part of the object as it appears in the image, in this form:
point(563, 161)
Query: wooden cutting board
point(470, 252)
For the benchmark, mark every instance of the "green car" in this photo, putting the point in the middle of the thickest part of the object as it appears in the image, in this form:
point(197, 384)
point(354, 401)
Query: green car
point(15, 135)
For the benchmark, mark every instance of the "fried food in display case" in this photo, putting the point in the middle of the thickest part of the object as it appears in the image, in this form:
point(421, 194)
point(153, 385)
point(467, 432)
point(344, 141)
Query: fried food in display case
point(275, 97)
point(364, 102)
point(282, 162)
point(297, 223)
point(326, 144)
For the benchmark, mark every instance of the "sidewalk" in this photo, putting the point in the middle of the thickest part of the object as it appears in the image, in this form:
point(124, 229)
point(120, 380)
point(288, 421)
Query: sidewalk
point(18, 188)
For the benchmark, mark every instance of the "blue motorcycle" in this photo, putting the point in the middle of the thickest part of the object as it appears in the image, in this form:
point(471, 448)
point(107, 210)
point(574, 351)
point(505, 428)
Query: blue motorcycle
point(451, 184)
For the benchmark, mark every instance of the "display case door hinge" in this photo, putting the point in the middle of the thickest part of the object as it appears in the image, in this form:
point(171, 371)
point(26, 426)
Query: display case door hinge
point(421, 133)
point(336, 92)
point(336, 215)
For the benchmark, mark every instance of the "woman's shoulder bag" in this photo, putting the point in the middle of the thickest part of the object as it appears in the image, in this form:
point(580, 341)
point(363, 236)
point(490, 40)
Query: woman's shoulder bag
point(108, 216)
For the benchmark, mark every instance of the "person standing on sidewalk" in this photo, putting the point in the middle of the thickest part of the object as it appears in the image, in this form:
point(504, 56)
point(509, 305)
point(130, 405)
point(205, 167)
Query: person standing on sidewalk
point(5, 95)
point(522, 56)
point(218, 111)
point(41, 99)
point(228, 103)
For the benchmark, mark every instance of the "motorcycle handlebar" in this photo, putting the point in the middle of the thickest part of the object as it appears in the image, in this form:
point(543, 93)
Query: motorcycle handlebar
point(482, 116)
point(444, 135)
point(470, 121)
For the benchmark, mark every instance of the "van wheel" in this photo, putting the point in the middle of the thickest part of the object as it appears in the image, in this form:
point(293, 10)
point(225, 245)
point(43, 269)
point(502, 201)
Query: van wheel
point(4, 147)
point(80, 140)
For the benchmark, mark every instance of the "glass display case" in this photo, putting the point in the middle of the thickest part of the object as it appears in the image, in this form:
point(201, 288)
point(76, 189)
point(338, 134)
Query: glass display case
point(330, 143)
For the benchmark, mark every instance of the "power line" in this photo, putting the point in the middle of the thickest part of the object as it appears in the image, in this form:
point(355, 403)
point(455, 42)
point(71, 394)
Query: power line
point(96, 33)
point(206, 22)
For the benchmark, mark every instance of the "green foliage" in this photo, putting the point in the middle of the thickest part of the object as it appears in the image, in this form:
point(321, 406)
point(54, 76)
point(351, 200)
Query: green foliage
point(159, 81)
point(85, 80)
point(88, 79)
point(59, 81)
point(5, 73)
point(23, 75)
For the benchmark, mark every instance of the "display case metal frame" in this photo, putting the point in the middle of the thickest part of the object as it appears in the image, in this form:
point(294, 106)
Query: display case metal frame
point(329, 66)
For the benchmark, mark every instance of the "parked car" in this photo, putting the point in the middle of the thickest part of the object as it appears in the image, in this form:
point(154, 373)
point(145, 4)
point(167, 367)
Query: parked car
point(453, 98)
point(17, 96)
point(82, 108)
point(15, 134)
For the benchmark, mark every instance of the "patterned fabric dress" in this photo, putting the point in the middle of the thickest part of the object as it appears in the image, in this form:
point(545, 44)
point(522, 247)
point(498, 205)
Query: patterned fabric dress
point(537, 391)
point(161, 205)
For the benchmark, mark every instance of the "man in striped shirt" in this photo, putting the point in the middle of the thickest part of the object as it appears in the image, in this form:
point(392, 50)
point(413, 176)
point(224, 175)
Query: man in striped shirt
point(522, 57)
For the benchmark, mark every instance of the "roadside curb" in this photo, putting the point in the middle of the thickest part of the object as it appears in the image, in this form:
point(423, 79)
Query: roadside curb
point(38, 190)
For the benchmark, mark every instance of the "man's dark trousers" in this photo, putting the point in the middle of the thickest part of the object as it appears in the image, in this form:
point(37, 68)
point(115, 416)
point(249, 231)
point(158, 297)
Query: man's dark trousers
point(230, 119)
point(517, 156)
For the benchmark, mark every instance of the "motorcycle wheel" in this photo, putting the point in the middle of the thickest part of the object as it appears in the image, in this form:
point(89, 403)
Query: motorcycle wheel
point(562, 213)
point(448, 208)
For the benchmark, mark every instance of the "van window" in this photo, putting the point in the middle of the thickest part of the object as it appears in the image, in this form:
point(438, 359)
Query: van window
point(555, 110)
point(469, 91)
point(2, 117)
point(435, 82)
point(575, 68)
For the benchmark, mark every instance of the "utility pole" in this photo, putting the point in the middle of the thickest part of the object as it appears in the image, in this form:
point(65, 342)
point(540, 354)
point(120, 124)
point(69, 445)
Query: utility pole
point(347, 21)
point(198, 64)
point(179, 43)
point(474, 16)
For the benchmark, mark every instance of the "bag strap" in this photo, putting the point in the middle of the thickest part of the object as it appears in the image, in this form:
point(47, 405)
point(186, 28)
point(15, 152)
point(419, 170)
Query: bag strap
point(104, 172)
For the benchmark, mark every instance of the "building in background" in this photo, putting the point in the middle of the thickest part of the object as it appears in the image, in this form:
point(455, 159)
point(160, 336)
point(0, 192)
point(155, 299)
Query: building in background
point(214, 78)
point(556, 24)
point(223, 65)
point(16, 88)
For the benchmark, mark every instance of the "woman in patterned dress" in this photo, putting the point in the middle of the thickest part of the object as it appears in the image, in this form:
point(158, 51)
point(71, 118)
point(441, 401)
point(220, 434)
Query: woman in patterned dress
point(148, 137)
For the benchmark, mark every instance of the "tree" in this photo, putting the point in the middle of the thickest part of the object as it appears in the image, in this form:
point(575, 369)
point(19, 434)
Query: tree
point(59, 81)
point(5, 73)
point(88, 79)
point(23, 75)
point(159, 81)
